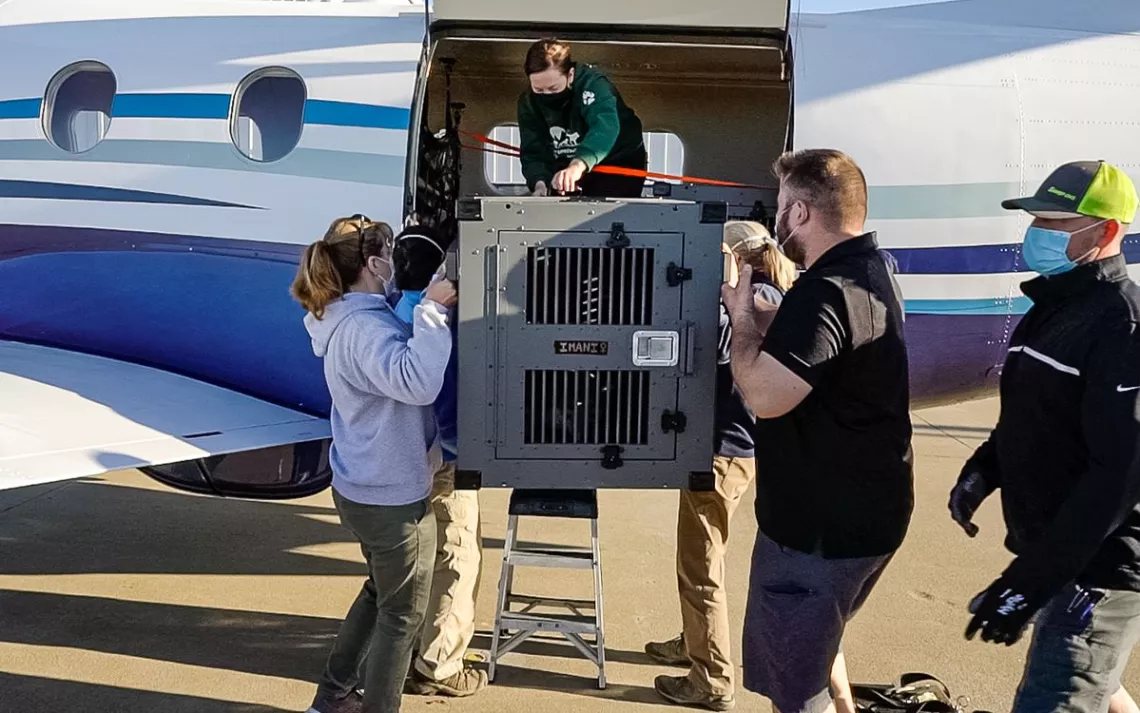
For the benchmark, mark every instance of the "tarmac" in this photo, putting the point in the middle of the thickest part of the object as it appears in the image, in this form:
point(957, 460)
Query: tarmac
point(120, 595)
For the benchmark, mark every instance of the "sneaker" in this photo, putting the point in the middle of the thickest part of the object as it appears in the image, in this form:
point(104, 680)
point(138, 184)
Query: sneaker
point(670, 653)
point(681, 691)
point(326, 703)
point(467, 682)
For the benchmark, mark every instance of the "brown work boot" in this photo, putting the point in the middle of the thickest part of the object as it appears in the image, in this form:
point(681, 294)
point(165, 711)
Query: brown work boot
point(670, 653)
point(681, 691)
point(467, 682)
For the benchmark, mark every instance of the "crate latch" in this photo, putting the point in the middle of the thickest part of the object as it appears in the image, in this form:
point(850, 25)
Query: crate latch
point(673, 421)
point(611, 457)
point(675, 274)
point(618, 238)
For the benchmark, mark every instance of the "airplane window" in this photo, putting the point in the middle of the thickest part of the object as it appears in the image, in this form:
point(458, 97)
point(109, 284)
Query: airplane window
point(268, 114)
point(77, 106)
point(666, 155)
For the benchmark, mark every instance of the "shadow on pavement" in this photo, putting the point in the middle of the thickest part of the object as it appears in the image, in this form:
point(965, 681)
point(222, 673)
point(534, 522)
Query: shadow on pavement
point(536, 646)
point(585, 685)
point(92, 527)
point(32, 693)
point(279, 645)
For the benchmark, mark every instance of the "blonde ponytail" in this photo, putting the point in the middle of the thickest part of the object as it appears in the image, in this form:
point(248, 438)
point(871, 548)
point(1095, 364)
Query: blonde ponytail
point(317, 283)
point(332, 264)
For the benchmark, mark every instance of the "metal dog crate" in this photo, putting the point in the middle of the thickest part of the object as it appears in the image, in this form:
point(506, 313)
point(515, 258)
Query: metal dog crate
point(587, 342)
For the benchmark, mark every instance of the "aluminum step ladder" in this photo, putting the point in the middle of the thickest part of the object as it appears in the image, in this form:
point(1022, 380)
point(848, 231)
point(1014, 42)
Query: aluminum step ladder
point(580, 621)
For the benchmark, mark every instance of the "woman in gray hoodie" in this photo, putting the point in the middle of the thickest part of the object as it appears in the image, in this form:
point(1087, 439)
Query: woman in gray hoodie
point(383, 375)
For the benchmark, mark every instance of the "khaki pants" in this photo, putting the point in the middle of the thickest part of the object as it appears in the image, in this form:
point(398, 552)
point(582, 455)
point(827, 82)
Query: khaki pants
point(450, 622)
point(702, 540)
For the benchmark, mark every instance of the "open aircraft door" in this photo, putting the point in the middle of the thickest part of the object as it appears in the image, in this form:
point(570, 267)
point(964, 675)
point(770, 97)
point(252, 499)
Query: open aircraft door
point(707, 14)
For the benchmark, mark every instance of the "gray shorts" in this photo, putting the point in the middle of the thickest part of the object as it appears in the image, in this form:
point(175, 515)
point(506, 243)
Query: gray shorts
point(798, 607)
point(1074, 664)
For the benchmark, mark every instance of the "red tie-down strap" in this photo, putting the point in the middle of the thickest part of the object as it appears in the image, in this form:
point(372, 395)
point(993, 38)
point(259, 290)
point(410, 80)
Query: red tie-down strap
point(513, 151)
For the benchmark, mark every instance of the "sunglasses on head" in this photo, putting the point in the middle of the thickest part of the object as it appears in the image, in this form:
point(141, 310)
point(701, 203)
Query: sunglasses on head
point(363, 222)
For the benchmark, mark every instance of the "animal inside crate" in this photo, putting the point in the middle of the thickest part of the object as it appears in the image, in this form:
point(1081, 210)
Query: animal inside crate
point(587, 342)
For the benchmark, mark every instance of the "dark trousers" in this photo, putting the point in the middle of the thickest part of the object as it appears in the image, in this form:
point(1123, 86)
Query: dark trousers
point(374, 646)
point(602, 185)
point(605, 185)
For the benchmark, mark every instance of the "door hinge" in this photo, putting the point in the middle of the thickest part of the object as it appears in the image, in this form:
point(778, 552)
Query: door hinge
point(618, 238)
point(673, 421)
point(611, 457)
point(675, 274)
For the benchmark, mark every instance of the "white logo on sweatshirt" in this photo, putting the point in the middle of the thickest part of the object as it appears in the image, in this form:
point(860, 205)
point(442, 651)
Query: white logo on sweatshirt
point(588, 98)
point(565, 142)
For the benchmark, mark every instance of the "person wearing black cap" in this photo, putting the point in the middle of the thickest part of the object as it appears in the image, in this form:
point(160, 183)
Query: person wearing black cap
point(1066, 451)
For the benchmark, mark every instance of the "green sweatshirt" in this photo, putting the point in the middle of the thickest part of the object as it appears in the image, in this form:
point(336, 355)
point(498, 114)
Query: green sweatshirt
point(589, 121)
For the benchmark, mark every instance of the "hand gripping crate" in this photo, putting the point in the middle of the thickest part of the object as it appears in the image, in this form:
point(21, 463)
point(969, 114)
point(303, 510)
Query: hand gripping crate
point(587, 342)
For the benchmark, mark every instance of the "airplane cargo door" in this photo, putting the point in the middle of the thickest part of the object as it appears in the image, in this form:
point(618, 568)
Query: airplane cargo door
point(710, 14)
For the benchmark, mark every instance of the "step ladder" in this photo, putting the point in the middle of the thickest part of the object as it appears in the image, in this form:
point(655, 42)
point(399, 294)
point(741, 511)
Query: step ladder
point(515, 616)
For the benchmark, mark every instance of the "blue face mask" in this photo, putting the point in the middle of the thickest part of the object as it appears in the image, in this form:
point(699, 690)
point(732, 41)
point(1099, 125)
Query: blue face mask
point(1046, 251)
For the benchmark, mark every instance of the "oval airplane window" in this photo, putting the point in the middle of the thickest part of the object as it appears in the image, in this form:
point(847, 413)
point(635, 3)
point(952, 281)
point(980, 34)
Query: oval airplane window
point(77, 106)
point(268, 113)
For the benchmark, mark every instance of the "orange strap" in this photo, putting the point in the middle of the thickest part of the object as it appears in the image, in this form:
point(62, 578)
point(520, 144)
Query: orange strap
point(610, 170)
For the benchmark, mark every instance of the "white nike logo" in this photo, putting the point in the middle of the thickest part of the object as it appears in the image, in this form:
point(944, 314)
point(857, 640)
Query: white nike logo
point(1121, 388)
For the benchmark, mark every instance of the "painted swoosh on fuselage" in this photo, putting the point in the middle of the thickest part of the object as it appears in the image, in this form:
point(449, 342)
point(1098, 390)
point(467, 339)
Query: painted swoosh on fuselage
point(104, 194)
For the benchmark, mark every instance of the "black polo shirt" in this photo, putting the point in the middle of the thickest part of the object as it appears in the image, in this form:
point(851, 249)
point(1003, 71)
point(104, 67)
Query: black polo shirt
point(834, 476)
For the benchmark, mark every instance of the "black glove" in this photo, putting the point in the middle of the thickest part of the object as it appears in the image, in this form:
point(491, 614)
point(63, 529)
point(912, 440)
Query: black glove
point(1003, 611)
point(968, 494)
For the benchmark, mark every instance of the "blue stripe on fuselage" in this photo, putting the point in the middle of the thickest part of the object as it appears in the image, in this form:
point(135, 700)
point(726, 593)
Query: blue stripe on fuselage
point(217, 106)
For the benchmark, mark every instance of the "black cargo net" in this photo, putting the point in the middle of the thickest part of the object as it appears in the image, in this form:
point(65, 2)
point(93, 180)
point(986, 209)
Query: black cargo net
point(586, 407)
point(438, 169)
point(602, 286)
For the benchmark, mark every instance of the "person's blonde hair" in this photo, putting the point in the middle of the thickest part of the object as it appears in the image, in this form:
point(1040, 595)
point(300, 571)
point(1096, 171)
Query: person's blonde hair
point(755, 246)
point(330, 265)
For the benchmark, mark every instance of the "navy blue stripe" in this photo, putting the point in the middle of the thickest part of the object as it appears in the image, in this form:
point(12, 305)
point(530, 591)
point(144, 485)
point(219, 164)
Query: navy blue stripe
point(104, 194)
point(979, 259)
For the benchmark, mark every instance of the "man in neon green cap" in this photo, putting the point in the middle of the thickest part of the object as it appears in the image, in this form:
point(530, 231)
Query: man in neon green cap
point(1066, 452)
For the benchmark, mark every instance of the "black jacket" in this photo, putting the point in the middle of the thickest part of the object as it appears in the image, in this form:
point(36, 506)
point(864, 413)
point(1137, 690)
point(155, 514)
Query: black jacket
point(732, 437)
point(1064, 451)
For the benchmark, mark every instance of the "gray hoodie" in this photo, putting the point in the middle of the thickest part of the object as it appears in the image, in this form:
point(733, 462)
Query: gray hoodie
point(383, 376)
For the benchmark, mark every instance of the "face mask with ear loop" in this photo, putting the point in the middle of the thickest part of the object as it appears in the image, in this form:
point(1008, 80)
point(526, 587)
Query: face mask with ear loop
point(1046, 252)
point(780, 239)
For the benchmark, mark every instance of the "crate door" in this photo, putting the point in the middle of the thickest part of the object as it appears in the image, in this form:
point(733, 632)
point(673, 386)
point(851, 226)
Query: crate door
point(573, 381)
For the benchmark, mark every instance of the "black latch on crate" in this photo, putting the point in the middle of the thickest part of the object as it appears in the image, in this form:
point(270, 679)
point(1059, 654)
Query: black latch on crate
point(611, 457)
point(618, 238)
point(673, 421)
point(675, 274)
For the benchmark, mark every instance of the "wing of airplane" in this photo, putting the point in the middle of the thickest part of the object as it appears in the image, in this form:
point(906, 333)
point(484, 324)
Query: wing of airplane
point(66, 415)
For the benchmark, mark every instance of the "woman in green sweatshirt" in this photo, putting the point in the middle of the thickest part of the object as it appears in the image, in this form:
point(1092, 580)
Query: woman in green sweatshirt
point(571, 120)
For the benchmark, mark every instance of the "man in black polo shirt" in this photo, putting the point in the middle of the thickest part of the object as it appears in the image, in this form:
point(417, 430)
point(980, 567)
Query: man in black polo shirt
point(1066, 451)
point(826, 377)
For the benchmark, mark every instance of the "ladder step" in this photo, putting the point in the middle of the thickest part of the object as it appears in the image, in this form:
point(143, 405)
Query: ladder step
point(567, 559)
point(549, 622)
point(551, 601)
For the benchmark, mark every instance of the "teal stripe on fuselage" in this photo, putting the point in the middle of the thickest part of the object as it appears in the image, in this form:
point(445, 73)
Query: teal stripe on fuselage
point(1015, 305)
point(374, 169)
point(927, 202)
